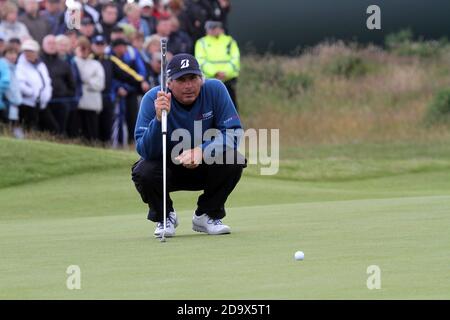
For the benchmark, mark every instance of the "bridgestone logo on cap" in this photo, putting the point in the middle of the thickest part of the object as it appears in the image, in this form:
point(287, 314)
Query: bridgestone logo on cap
point(184, 63)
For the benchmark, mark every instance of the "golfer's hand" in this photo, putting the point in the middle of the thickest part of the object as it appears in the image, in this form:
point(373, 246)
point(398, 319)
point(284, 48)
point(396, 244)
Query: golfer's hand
point(191, 158)
point(162, 102)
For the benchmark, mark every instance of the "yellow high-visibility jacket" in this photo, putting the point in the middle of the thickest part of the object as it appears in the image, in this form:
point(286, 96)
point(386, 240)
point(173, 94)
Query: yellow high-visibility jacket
point(218, 54)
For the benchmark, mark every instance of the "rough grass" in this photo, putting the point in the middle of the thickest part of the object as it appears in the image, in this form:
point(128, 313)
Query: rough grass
point(371, 95)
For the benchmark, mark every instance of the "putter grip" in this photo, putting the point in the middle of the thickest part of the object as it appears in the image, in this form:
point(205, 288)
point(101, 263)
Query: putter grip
point(164, 64)
point(164, 81)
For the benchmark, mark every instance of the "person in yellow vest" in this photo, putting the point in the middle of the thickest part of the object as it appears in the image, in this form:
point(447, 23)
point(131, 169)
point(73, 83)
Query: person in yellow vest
point(219, 57)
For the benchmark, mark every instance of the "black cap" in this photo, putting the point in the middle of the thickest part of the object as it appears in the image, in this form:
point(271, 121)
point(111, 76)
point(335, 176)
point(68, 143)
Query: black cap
point(182, 64)
point(14, 40)
point(119, 42)
point(116, 29)
point(99, 39)
point(87, 20)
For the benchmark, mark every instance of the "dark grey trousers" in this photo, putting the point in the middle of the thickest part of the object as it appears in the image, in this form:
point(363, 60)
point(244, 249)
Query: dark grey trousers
point(216, 180)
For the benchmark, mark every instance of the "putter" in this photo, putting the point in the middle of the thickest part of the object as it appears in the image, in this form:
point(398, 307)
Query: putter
point(164, 129)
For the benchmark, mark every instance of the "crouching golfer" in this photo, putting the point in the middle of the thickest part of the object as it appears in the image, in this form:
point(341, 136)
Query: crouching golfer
point(191, 102)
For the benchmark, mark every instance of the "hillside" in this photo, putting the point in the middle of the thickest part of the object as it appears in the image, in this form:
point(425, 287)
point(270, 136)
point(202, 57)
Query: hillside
point(26, 161)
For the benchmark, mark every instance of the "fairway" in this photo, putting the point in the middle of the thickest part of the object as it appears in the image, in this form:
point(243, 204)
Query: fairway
point(96, 220)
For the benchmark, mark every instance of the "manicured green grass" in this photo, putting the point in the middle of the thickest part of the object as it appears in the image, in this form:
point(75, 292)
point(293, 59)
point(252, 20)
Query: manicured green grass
point(96, 220)
point(25, 161)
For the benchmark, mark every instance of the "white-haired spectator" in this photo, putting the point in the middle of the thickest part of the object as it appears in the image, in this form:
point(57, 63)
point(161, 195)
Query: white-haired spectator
point(63, 45)
point(10, 27)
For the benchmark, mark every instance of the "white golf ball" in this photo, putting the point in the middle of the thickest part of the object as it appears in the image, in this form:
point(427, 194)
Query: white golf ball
point(299, 255)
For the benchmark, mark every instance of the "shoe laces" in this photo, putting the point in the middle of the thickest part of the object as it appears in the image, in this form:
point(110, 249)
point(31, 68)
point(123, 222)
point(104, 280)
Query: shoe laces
point(215, 222)
point(169, 220)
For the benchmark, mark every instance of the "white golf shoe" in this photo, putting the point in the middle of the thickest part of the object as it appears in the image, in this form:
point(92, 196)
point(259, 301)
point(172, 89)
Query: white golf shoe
point(208, 225)
point(171, 224)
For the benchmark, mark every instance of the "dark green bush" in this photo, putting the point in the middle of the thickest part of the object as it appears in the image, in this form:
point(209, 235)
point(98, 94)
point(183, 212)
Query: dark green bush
point(295, 83)
point(269, 75)
point(397, 39)
point(439, 108)
point(402, 43)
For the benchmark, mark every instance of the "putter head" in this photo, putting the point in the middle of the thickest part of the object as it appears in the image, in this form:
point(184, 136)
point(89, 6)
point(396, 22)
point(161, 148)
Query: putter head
point(163, 237)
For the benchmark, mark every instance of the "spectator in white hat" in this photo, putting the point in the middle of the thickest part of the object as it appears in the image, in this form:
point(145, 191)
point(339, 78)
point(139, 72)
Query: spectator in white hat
point(147, 9)
point(36, 88)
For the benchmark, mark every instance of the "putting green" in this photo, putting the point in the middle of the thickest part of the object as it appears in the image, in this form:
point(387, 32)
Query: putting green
point(97, 221)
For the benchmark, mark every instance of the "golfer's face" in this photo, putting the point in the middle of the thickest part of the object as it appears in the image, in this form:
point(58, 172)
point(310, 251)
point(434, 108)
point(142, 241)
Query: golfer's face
point(186, 88)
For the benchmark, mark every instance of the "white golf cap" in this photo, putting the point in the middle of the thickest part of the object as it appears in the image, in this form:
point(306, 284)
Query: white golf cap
point(30, 45)
point(146, 3)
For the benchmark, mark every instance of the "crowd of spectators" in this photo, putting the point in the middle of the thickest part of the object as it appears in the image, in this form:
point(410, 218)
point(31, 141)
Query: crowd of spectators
point(79, 69)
